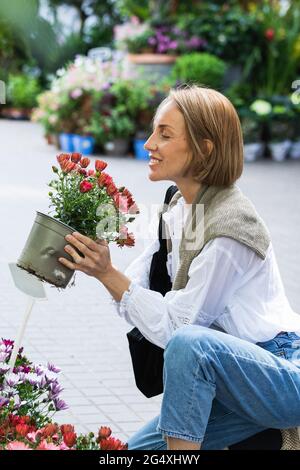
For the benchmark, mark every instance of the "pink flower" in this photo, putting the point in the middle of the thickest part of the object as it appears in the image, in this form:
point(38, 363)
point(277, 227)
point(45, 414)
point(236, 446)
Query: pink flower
point(44, 445)
point(33, 436)
point(85, 186)
point(17, 445)
point(104, 179)
point(111, 189)
point(121, 202)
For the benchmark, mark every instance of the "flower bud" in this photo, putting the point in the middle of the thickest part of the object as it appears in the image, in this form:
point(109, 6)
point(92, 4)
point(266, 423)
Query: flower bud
point(85, 162)
point(76, 157)
point(100, 165)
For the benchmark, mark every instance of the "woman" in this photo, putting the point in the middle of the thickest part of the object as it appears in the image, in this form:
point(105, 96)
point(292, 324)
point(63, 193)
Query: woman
point(219, 386)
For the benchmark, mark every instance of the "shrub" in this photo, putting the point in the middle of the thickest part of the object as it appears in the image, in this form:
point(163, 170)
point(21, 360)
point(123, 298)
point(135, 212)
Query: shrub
point(23, 91)
point(199, 68)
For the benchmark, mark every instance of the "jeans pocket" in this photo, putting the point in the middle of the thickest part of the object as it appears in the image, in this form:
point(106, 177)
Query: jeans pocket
point(281, 353)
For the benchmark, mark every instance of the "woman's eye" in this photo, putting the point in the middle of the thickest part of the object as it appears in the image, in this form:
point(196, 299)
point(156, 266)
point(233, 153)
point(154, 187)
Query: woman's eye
point(165, 136)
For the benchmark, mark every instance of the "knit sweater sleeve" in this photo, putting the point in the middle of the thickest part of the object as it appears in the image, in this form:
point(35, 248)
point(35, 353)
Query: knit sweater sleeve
point(214, 275)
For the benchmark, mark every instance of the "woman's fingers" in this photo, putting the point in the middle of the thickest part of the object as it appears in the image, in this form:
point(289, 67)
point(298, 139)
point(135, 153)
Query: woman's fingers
point(86, 241)
point(78, 244)
point(67, 263)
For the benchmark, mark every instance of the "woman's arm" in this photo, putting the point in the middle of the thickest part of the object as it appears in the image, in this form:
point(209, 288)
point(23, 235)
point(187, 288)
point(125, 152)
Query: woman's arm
point(97, 263)
point(214, 275)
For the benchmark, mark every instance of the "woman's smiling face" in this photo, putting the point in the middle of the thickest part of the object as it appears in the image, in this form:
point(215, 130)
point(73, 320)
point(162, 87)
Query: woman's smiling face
point(168, 144)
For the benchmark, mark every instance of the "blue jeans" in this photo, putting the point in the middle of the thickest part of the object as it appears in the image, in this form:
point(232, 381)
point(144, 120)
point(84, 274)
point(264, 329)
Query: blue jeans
point(220, 390)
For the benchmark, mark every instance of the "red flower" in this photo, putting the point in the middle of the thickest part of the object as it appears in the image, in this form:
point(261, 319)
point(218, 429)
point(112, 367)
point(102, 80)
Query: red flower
point(70, 166)
point(85, 186)
point(82, 171)
point(70, 438)
point(111, 189)
point(104, 179)
point(270, 34)
point(125, 239)
point(23, 429)
point(104, 432)
point(76, 157)
point(63, 157)
point(112, 444)
point(49, 430)
point(100, 165)
point(85, 162)
point(66, 428)
point(91, 173)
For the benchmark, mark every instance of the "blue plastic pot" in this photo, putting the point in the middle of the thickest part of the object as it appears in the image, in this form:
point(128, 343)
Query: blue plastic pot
point(139, 151)
point(66, 142)
point(83, 144)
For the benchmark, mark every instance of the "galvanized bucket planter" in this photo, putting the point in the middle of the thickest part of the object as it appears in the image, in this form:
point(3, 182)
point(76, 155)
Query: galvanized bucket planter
point(45, 244)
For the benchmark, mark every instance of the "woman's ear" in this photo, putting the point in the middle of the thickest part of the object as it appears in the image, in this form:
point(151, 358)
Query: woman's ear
point(208, 145)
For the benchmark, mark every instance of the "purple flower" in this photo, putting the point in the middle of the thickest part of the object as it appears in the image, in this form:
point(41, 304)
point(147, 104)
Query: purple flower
point(11, 380)
point(4, 368)
point(60, 405)
point(152, 41)
point(33, 379)
point(38, 370)
point(161, 48)
point(53, 368)
point(3, 401)
point(173, 45)
point(195, 42)
point(3, 356)
point(55, 389)
point(8, 342)
point(25, 369)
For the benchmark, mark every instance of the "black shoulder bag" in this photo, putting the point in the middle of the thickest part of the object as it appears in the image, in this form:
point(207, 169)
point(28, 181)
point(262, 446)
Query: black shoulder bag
point(147, 358)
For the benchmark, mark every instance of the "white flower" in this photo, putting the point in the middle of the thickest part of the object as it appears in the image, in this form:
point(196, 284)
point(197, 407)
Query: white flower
point(261, 107)
point(12, 379)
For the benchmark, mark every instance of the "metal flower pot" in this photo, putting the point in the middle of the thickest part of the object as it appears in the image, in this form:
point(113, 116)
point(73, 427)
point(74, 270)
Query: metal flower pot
point(45, 244)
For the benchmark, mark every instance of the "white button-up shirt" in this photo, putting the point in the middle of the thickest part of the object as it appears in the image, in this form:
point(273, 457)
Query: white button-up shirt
point(229, 285)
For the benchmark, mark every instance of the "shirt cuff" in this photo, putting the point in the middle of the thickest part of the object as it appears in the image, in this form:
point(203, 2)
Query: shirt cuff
point(122, 305)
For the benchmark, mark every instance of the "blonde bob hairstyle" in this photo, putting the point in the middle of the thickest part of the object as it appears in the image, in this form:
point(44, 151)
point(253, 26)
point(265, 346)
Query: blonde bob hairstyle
point(209, 115)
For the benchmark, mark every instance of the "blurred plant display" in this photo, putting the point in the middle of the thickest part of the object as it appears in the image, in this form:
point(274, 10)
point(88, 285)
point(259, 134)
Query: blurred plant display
point(249, 50)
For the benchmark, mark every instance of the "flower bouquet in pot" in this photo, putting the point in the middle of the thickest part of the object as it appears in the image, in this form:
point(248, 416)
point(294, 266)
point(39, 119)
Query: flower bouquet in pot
point(83, 200)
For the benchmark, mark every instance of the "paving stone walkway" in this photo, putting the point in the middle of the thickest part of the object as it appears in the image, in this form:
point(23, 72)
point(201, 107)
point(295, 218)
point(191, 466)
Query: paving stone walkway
point(78, 329)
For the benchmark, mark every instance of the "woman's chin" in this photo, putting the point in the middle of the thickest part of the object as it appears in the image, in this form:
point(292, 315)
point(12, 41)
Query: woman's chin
point(153, 177)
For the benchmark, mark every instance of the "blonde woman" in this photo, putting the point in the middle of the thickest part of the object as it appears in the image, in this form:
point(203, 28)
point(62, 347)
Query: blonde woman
point(231, 360)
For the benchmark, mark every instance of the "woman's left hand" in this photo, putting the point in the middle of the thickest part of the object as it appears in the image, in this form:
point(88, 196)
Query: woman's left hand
point(96, 261)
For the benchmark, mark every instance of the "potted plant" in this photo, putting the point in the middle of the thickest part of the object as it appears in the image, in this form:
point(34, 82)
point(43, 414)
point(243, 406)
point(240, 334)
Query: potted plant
point(295, 149)
point(82, 200)
point(119, 129)
point(281, 129)
point(253, 145)
point(261, 110)
point(22, 92)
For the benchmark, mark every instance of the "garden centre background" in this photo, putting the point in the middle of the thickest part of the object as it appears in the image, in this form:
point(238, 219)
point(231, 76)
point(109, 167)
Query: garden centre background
point(102, 100)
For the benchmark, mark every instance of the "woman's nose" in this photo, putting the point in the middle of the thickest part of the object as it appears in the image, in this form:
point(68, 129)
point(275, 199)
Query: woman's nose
point(150, 144)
